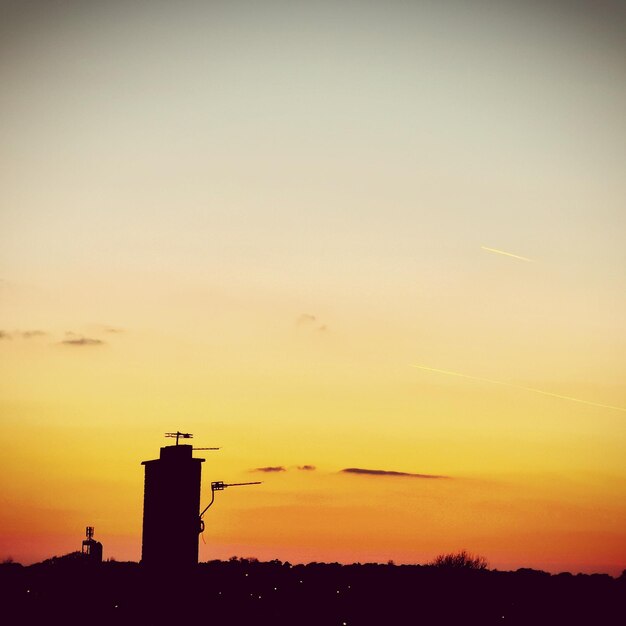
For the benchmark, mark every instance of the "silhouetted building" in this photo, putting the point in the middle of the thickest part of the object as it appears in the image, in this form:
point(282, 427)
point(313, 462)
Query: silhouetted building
point(171, 508)
point(92, 549)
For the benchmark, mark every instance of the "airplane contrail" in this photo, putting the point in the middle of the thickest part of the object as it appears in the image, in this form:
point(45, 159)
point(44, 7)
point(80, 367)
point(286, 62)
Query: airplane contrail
point(500, 382)
point(515, 256)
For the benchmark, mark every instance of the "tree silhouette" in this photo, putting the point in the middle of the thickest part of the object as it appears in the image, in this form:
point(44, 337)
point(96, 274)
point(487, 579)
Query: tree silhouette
point(460, 560)
point(453, 589)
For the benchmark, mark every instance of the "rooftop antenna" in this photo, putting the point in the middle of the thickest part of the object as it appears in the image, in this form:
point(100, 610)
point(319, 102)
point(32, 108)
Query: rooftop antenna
point(220, 486)
point(178, 435)
point(91, 548)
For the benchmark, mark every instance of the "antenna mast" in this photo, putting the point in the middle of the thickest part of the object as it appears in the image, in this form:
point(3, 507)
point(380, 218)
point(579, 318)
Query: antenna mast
point(178, 435)
point(220, 485)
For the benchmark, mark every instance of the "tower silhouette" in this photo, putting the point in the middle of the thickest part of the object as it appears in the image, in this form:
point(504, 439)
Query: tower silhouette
point(91, 548)
point(171, 507)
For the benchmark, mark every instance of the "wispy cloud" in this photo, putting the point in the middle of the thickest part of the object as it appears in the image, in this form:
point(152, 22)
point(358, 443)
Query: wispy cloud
point(515, 256)
point(23, 334)
point(307, 468)
point(112, 329)
point(514, 386)
point(82, 341)
point(312, 322)
point(29, 334)
point(306, 318)
point(377, 472)
point(269, 469)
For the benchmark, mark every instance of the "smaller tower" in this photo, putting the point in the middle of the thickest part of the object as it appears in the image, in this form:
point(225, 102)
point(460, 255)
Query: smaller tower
point(92, 549)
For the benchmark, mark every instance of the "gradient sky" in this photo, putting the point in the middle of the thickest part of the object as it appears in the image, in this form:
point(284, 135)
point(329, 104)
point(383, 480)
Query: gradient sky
point(247, 220)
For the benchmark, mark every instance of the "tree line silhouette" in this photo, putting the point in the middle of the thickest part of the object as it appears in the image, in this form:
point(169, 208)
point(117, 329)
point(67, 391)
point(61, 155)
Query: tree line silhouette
point(452, 589)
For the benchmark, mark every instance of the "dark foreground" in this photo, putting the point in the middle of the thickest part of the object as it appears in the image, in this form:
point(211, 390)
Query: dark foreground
point(71, 591)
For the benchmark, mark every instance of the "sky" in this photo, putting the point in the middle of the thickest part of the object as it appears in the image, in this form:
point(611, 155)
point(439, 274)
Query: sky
point(379, 236)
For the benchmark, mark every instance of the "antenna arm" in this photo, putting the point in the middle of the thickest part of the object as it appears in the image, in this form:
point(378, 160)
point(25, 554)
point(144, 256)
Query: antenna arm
point(208, 506)
point(220, 486)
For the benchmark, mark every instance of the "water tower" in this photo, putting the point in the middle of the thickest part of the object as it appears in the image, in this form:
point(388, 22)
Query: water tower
point(171, 507)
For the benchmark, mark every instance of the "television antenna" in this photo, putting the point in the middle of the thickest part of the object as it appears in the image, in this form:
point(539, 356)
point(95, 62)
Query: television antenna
point(178, 435)
point(220, 485)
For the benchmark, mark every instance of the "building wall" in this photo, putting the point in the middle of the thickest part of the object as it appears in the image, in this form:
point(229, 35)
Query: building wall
point(171, 509)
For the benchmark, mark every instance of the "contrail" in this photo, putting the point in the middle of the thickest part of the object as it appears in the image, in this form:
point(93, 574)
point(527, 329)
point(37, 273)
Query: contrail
point(541, 391)
point(515, 256)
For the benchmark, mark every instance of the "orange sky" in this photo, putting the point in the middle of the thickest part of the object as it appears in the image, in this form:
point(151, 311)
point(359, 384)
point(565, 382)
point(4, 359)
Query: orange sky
point(250, 223)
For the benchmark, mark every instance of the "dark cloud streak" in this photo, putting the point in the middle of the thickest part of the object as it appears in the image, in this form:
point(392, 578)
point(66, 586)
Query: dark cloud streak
point(376, 472)
point(23, 334)
point(269, 469)
point(82, 341)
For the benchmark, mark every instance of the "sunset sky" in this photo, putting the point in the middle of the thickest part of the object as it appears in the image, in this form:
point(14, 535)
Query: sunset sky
point(375, 235)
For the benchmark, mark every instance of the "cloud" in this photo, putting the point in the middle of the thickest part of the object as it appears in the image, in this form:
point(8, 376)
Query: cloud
point(312, 322)
point(281, 468)
point(376, 472)
point(82, 341)
point(514, 386)
point(112, 329)
point(509, 254)
point(24, 334)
